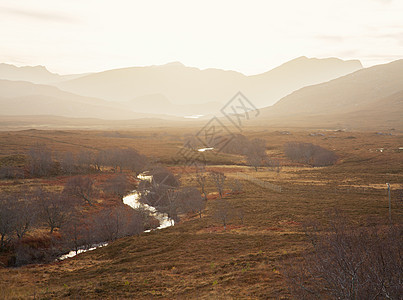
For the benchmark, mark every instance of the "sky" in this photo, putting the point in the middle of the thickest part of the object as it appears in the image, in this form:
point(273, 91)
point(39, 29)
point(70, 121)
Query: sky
point(251, 36)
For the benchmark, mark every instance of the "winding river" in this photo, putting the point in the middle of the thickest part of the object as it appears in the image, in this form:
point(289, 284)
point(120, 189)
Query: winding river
point(131, 200)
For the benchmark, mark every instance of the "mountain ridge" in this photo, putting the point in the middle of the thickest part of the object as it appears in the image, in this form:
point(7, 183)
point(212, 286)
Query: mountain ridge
point(187, 85)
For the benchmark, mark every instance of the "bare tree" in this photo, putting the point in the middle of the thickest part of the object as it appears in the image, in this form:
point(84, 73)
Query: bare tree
point(308, 153)
point(75, 233)
point(236, 186)
point(40, 161)
point(85, 159)
point(240, 213)
point(68, 163)
point(256, 153)
point(223, 212)
point(134, 161)
point(54, 209)
point(119, 185)
point(7, 218)
point(121, 159)
point(201, 179)
point(99, 160)
point(11, 172)
point(191, 201)
point(81, 187)
point(172, 203)
point(349, 263)
point(219, 179)
point(25, 215)
point(154, 192)
point(109, 225)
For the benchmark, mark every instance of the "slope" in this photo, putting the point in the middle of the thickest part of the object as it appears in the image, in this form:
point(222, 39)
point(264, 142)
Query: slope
point(370, 97)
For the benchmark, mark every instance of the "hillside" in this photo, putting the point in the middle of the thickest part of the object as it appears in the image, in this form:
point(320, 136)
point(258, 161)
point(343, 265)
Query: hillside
point(198, 258)
point(188, 85)
point(372, 96)
point(25, 98)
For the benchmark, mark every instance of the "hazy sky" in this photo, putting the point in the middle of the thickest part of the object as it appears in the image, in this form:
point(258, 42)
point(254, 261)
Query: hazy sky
point(72, 36)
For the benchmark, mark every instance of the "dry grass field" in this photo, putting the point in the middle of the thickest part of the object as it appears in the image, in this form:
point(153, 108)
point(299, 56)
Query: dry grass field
point(197, 258)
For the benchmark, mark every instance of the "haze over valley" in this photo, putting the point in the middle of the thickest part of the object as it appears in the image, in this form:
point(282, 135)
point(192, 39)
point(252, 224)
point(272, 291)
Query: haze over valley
point(201, 149)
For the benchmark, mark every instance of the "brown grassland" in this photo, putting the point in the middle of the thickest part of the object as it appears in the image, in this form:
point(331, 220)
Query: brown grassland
point(197, 258)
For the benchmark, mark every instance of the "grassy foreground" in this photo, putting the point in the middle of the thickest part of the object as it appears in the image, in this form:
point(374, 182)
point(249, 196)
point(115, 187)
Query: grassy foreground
point(197, 258)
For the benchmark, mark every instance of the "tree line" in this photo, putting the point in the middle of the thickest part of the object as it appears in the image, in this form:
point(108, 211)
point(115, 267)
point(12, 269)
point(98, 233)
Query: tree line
point(42, 162)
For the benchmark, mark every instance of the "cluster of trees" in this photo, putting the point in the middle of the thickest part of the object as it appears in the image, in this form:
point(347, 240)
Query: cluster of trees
point(29, 210)
point(11, 172)
point(164, 192)
point(41, 162)
point(254, 150)
point(116, 158)
point(349, 263)
point(310, 154)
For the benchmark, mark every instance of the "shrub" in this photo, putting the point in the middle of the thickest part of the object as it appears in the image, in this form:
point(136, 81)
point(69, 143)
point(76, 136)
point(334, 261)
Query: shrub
point(308, 153)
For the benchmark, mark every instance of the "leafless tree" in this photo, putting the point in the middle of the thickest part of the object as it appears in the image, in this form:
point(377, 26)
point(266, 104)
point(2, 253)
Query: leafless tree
point(119, 185)
point(240, 213)
point(218, 179)
point(223, 212)
point(191, 201)
point(99, 159)
point(236, 186)
point(7, 218)
point(121, 159)
point(308, 153)
point(40, 161)
point(68, 163)
point(154, 192)
point(76, 233)
point(172, 204)
point(201, 179)
point(11, 172)
point(85, 159)
point(111, 224)
point(81, 187)
point(256, 153)
point(163, 176)
point(134, 161)
point(349, 263)
point(54, 209)
point(25, 215)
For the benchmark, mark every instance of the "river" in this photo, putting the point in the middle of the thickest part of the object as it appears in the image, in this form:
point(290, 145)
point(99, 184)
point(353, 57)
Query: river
point(131, 200)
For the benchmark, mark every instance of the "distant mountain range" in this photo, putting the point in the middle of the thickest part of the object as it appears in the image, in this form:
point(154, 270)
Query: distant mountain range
point(36, 74)
point(313, 92)
point(173, 88)
point(183, 85)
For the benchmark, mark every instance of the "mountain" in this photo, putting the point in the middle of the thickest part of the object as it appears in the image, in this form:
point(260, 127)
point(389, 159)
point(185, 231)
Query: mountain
point(188, 86)
point(373, 95)
point(26, 98)
point(36, 74)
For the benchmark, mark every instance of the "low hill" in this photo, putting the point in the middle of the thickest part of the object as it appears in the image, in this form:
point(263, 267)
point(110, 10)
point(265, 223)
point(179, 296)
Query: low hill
point(25, 98)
